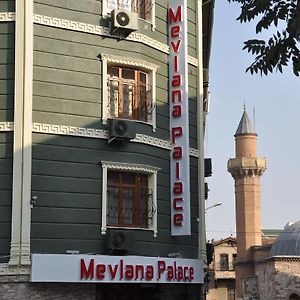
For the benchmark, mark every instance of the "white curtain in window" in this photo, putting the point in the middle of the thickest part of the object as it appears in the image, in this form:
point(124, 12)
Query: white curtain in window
point(119, 4)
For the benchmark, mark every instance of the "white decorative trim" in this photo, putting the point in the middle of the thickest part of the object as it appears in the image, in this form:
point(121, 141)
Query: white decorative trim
point(112, 165)
point(138, 63)
point(6, 269)
point(149, 170)
point(69, 130)
point(104, 31)
point(102, 134)
point(7, 16)
point(121, 60)
point(6, 126)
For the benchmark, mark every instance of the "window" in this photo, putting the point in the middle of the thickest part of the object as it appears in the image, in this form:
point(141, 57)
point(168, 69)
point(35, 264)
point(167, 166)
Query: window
point(233, 261)
point(128, 199)
point(129, 89)
point(141, 7)
point(129, 196)
point(129, 94)
point(224, 265)
point(231, 294)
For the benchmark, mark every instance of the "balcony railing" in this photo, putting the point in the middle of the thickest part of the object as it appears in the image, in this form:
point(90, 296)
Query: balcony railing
point(130, 101)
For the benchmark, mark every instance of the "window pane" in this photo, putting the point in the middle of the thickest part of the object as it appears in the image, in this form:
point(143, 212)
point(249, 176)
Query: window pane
point(112, 205)
point(113, 92)
point(113, 71)
point(112, 177)
point(143, 77)
point(128, 74)
point(128, 178)
point(128, 92)
point(119, 4)
point(143, 103)
point(144, 213)
point(128, 207)
point(224, 262)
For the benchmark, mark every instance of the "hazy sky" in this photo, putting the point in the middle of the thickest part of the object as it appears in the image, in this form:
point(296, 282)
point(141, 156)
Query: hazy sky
point(277, 102)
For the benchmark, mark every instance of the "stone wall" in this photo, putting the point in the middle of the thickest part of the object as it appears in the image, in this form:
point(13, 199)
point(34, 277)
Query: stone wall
point(19, 288)
point(278, 278)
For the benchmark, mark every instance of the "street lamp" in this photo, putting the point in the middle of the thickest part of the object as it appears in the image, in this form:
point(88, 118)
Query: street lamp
point(214, 205)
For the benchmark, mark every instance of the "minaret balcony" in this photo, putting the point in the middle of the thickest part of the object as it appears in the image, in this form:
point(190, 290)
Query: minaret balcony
point(246, 166)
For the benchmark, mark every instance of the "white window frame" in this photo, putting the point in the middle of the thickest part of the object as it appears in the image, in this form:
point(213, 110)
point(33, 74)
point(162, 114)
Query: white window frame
point(149, 68)
point(128, 167)
point(106, 12)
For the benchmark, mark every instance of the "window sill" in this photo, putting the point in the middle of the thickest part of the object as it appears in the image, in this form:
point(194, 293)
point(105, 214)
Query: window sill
point(130, 228)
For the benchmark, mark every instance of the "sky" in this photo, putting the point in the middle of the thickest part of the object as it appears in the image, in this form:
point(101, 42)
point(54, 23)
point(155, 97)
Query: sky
point(275, 99)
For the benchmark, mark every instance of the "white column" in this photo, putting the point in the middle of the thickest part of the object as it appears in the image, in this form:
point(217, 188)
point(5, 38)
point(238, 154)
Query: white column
point(21, 194)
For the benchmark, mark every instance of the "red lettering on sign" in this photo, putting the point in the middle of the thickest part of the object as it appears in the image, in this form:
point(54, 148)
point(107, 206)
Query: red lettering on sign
point(176, 113)
point(176, 93)
point(84, 272)
point(176, 131)
point(100, 270)
point(178, 219)
point(178, 188)
point(149, 272)
point(176, 204)
point(177, 153)
point(113, 271)
point(176, 80)
point(175, 18)
point(176, 46)
point(161, 268)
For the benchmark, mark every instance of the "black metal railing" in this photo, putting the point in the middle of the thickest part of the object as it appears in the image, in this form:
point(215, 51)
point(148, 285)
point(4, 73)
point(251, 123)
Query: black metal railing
point(129, 100)
point(132, 210)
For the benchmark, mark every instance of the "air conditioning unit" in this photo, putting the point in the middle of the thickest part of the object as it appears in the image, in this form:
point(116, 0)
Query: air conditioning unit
point(125, 21)
point(120, 130)
point(119, 242)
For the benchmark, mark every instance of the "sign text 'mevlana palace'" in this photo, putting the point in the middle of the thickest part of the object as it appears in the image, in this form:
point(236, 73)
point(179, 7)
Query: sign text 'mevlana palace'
point(179, 124)
point(126, 272)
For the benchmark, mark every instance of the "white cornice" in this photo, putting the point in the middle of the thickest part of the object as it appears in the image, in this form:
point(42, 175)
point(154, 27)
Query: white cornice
point(129, 167)
point(7, 16)
point(128, 61)
point(6, 126)
point(104, 31)
point(101, 134)
point(6, 269)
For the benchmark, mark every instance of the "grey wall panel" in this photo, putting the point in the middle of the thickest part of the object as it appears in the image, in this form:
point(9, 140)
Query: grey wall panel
point(6, 71)
point(6, 165)
point(86, 11)
point(7, 5)
point(61, 245)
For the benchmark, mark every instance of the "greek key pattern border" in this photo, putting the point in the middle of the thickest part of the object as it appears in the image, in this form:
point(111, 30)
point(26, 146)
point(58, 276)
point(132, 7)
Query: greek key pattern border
point(7, 16)
point(101, 134)
point(6, 126)
point(104, 31)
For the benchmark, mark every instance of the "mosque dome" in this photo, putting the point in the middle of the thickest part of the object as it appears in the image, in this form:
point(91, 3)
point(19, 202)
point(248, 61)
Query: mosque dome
point(288, 242)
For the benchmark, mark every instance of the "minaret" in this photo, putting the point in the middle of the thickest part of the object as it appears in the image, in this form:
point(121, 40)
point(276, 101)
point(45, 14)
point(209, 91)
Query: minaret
point(246, 169)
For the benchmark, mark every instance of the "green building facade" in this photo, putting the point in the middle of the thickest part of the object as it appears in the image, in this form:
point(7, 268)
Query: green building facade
point(85, 141)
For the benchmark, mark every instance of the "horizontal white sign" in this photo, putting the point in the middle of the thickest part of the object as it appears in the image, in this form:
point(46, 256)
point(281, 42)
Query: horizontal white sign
point(114, 269)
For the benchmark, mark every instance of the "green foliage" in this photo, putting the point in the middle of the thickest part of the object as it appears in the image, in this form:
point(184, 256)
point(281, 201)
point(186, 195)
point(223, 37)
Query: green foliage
point(282, 47)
